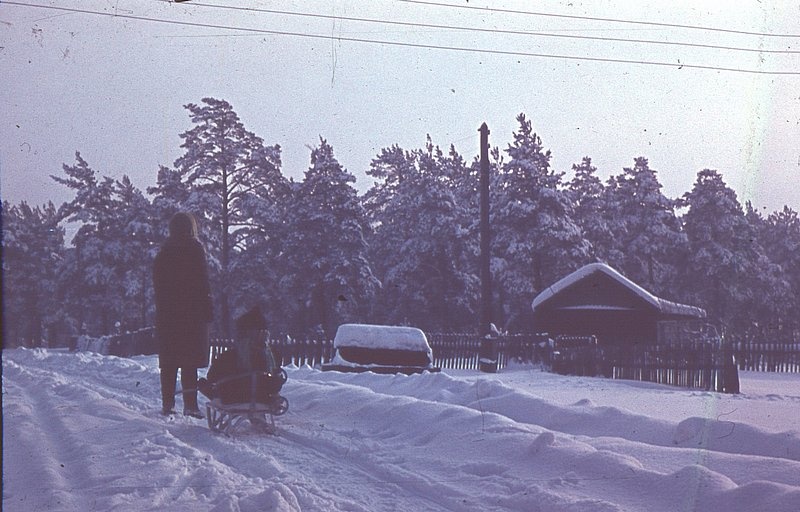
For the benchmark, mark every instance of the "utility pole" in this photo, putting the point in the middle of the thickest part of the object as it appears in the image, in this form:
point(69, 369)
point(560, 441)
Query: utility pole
point(488, 348)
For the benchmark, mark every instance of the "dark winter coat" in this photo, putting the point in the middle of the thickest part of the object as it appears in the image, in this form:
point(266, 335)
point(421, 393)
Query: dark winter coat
point(183, 303)
point(233, 384)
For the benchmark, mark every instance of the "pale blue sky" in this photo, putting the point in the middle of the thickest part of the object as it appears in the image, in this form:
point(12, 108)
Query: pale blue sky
point(113, 87)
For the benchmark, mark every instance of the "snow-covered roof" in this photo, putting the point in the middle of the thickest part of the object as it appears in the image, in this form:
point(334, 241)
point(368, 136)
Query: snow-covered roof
point(381, 336)
point(660, 304)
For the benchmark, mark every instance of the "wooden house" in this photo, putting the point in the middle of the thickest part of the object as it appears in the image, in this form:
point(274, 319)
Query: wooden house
point(598, 300)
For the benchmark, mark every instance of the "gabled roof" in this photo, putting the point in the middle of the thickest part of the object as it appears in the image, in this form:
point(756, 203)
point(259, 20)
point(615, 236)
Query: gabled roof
point(662, 305)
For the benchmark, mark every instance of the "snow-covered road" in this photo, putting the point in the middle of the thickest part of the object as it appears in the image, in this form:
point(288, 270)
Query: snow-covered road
point(82, 431)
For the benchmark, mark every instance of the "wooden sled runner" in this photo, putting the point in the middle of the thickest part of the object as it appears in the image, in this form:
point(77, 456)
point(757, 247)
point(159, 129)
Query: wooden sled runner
point(227, 418)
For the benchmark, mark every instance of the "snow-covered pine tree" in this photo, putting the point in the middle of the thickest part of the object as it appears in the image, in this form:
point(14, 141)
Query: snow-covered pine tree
point(535, 239)
point(108, 272)
point(779, 235)
point(33, 246)
point(588, 196)
point(88, 274)
point(255, 272)
point(327, 279)
point(647, 235)
point(133, 253)
point(393, 220)
point(169, 197)
point(226, 167)
point(727, 271)
point(424, 246)
point(449, 235)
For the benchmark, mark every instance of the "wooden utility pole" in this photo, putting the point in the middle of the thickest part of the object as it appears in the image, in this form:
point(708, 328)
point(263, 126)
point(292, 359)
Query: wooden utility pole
point(488, 349)
point(486, 277)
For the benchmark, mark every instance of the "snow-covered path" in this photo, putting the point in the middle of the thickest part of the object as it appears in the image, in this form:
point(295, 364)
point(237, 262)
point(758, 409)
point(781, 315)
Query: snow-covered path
point(83, 432)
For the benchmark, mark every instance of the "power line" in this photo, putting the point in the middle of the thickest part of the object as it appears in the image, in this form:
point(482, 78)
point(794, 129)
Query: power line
point(490, 30)
point(591, 18)
point(406, 44)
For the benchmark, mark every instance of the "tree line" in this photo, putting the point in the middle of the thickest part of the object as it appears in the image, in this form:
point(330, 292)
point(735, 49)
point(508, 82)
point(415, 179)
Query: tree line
point(314, 253)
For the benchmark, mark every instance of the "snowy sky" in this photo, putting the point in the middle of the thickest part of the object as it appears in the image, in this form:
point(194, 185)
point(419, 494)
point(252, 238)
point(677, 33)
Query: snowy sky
point(113, 85)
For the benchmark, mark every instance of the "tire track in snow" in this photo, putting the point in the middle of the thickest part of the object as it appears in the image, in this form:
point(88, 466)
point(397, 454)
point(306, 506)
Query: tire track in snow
point(320, 478)
point(309, 456)
point(422, 494)
point(125, 382)
point(154, 470)
point(233, 471)
point(471, 470)
point(57, 467)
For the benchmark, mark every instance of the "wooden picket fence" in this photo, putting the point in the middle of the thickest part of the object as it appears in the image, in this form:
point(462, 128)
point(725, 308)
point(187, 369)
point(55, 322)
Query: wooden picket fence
point(766, 356)
point(450, 351)
point(698, 364)
point(288, 351)
point(462, 351)
point(702, 363)
point(691, 361)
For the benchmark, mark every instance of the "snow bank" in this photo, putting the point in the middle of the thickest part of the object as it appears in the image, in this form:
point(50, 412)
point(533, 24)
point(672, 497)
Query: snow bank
point(82, 432)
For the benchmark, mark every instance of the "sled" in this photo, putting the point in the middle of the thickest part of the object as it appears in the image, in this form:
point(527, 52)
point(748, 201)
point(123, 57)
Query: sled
point(228, 418)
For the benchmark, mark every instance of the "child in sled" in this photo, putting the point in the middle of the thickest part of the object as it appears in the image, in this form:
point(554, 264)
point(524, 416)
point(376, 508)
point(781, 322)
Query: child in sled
point(246, 373)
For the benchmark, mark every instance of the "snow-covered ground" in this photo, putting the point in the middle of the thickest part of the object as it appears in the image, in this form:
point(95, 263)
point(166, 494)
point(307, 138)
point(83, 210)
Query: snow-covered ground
point(83, 431)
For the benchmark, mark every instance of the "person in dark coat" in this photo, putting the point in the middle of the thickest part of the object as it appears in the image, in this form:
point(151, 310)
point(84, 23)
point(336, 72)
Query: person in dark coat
point(183, 311)
point(247, 372)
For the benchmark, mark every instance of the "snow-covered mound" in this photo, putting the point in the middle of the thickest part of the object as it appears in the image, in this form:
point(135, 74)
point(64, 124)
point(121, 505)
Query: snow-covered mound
point(393, 337)
point(83, 431)
point(381, 349)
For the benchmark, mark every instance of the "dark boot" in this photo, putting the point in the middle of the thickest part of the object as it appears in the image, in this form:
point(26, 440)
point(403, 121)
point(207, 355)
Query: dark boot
point(189, 385)
point(168, 377)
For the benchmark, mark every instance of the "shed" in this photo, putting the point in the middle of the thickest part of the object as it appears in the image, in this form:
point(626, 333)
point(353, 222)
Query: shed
point(597, 300)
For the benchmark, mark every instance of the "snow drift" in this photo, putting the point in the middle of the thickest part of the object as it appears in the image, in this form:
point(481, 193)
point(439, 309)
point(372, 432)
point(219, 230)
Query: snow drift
point(83, 431)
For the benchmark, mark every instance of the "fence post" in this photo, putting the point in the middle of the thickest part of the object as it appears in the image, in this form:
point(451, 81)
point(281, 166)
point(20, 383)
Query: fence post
point(730, 374)
point(488, 354)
